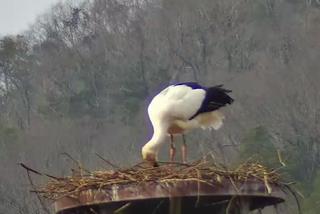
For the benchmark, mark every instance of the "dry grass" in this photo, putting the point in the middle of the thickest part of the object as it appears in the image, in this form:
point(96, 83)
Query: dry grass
point(200, 171)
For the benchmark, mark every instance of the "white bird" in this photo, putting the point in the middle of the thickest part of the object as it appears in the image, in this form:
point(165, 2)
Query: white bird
point(180, 108)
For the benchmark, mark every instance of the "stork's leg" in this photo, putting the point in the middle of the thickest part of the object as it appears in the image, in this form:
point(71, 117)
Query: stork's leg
point(172, 152)
point(184, 149)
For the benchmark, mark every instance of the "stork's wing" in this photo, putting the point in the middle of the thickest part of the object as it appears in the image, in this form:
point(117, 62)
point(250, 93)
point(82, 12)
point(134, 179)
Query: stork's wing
point(177, 101)
point(216, 97)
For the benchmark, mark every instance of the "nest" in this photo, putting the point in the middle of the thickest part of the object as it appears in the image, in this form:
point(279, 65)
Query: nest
point(199, 171)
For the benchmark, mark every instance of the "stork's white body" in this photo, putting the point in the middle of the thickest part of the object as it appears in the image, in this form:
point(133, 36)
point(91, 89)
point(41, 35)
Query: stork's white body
point(170, 112)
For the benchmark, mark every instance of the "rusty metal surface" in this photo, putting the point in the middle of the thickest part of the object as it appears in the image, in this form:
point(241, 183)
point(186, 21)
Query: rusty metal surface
point(146, 191)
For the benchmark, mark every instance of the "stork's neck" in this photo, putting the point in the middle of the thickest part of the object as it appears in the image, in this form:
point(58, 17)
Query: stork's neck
point(160, 130)
point(158, 138)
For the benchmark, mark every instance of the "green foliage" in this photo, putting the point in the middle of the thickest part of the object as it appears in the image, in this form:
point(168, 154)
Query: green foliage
point(311, 203)
point(300, 167)
point(301, 162)
point(257, 144)
point(8, 134)
point(9, 139)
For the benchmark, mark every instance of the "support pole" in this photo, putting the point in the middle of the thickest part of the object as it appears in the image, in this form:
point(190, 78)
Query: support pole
point(175, 205)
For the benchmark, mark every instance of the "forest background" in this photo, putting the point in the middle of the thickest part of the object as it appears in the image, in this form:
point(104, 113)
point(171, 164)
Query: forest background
point(78, 81)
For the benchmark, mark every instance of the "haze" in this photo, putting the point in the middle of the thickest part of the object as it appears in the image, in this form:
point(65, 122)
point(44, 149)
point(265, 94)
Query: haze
point(17, 15)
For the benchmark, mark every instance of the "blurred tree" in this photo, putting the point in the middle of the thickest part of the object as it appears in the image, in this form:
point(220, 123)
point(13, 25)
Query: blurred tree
point(16, 75)
point(257, 145)
point(312, 201)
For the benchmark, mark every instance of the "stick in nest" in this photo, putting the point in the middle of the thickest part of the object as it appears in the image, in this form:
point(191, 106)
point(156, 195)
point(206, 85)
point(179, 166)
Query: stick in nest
point(200, 171)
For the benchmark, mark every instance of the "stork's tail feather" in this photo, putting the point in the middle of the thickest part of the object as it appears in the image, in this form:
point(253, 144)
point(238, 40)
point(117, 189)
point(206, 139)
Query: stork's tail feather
point(211, 120)
point(220, 94)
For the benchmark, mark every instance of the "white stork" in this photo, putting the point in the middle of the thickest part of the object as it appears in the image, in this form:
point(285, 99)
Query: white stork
point(180, 108)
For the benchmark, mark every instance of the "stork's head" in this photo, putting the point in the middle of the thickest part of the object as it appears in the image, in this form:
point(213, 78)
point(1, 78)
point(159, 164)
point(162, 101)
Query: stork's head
point(150, 154)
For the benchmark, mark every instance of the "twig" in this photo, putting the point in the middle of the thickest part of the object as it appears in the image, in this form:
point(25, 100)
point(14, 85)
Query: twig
point(29, 169)
point(108, 162)
point(76, 162)
point(230, 204)
point(280, 158)
point(122, 208)
point(173, 162)
point(33, 186)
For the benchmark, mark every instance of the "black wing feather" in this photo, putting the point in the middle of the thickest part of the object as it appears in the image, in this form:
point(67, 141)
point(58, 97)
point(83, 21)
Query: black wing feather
point(216, 97)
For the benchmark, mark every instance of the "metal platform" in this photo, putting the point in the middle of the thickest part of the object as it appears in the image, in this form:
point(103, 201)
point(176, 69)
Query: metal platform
point(185, 197)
